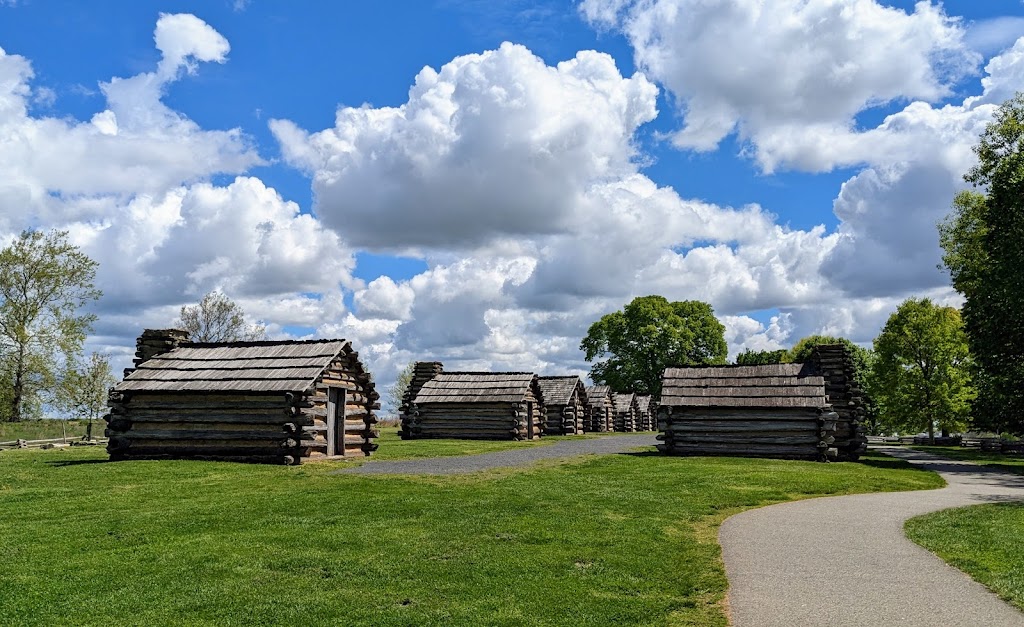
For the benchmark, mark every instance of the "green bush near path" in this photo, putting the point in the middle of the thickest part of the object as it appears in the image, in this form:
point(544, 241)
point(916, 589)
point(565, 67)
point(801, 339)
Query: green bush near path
point(609, 540)
point(984, 541)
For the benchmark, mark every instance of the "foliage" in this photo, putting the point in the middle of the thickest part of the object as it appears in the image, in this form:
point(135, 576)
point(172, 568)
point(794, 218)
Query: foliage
point(984, 541)
point(648, 335)
point(921, 372)
point(83, 390)
point(217, 318)
point(983, 240)
point(305, 545)
point(760, 358)
point(44, 283)
point(396, 391)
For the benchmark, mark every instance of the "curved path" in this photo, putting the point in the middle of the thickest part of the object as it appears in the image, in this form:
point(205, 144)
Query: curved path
point(845, 561)
point(505, 459)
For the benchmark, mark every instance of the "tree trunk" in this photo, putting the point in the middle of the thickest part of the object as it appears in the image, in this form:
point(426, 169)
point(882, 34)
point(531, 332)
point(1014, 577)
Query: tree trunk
point(19, 385)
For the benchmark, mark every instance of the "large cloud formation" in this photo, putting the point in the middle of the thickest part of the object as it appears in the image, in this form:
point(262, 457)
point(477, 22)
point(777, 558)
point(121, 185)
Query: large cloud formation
point(132, 187)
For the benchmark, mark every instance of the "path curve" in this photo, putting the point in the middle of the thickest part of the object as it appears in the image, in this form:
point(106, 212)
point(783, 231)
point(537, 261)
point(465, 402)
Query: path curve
point(601, 445)
point(845, 561)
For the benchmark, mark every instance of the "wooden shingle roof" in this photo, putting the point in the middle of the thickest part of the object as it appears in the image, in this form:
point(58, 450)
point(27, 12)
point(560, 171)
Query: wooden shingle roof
point(644, 401)
point(623, 401)
point(598, 395)
point(288, 366)
point(558, 390)
point(476, 387)
point(773, 385)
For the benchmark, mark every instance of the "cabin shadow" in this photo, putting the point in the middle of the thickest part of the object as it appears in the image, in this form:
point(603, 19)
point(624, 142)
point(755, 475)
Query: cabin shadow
point(60, 463)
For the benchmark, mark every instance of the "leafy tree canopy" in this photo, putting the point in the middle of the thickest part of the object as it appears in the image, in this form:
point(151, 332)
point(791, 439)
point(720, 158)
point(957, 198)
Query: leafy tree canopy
point(648, 335)
point(760, 358)
point(45, 281)
point(920, 376)
point(217, 318)
point(983, 241)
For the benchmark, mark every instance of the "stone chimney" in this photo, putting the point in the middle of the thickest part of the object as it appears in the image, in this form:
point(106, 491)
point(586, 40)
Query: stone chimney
point(153, 342)
point(422, 372)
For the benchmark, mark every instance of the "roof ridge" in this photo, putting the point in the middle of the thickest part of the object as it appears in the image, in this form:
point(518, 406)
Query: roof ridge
point(257, 343)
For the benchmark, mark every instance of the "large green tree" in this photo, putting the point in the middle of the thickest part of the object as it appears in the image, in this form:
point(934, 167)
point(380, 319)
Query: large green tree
point(635, 345)
point(217, 318)
point(921, 374)
point(45, 281)
point(983, 240)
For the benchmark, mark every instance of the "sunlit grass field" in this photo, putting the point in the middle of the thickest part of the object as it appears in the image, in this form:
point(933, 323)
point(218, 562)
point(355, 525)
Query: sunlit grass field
point(612, 540)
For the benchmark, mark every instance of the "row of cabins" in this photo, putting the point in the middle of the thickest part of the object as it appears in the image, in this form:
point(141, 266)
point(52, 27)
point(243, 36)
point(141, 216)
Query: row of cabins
point(513, 405)
point(288, 401)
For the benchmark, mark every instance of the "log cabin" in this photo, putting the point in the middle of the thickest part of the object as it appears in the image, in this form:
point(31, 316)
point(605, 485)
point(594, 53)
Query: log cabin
point(272, 402)
point(777, 410)
point(472, 405)
point(602, 409)
point(627, 412)
point(565, 404)
point(645, 416)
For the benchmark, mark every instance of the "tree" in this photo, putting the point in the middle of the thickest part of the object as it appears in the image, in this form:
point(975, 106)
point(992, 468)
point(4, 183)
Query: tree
point(760, 358)
point(217, 318)
point(44, 281)
point(84, 386)
point(921, 375)
point(396, 391)
point(648, 335)
point(983, 241)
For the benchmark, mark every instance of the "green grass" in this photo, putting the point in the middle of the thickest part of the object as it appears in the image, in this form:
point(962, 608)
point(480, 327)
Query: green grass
point(47, 429)
point(984, 541)
point(611, 540)
point(999, 461)
point(392, 447)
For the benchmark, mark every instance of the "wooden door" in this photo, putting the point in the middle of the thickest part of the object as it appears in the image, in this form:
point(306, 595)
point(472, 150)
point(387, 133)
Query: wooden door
point(335, 421)
point(529, 420)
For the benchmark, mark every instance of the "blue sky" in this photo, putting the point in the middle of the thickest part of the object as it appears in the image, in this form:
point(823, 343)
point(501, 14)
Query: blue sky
point(786, 165)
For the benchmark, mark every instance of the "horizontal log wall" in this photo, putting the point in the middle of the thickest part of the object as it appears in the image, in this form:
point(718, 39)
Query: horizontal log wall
point(345, 374)
point(565, 419)
point(780, 433)
point(475, 421)
point(258, 428)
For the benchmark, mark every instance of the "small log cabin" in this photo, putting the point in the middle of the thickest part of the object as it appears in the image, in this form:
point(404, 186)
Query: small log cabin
point(602, 409)
point(565, 404)
point(627, 412)
point(645, 419)
point(777, 410)
point(273, 402)
point(472, 405)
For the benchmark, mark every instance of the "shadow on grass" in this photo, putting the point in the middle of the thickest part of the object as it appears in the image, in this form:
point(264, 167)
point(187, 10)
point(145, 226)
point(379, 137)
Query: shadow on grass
point(888, 464)
point(652, 453)
point(60, 463)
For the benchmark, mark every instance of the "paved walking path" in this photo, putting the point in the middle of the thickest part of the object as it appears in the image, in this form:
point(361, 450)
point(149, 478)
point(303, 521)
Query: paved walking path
point(844, 560)
point(505, 459)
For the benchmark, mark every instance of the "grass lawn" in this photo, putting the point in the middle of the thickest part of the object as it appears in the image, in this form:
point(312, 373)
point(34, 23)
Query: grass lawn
point(47, 429)
point(1006, 463)
point(984, 541)
point(611, 540)
point(393, 447)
